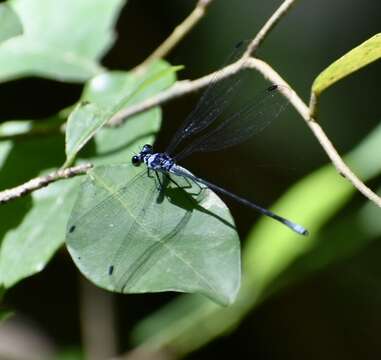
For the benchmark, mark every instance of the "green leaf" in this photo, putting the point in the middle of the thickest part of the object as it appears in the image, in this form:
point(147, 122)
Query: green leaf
point(83, 122)
point(362, 55)
point(20, 162)
point(114, 90)
point(111, 145)
point(118, 145)
point(107, 93)
point(17, 233)
point(126, 236)
point(62, 40)
point(26, 249)
point(10, 24)
point(269, 253)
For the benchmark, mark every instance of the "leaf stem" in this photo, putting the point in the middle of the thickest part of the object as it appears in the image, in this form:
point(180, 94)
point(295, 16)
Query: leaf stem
point(184, 87)
point(268, 72)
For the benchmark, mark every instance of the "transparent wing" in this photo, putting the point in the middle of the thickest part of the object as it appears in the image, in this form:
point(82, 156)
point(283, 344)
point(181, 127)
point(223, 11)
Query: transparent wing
point(243, 124)
point(118, 231)
point(125, 237)
point(103, 210)
point(213, 101)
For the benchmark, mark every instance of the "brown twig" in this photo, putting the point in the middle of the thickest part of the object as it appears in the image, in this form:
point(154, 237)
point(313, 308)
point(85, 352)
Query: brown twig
point(177, 35)
point(42, 181)
point(181, 88)
point(184, 87)
point(269, 25)
point(269, 73)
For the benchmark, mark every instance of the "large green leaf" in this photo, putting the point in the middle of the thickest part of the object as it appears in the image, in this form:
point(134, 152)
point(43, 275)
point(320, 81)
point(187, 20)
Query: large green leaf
point(27, 218)
point(28, 235)
point(270, 251)
point(110, 146)
point(107, 93)
point(62, 40)
point(126, 236)
point(10, 24)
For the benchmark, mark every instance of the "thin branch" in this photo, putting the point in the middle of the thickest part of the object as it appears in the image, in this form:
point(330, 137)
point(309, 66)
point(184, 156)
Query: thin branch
point(269, 73)
point(178, 34)
point(179, 89)
point(183, 87)
point(41, 181)
point(269, 25)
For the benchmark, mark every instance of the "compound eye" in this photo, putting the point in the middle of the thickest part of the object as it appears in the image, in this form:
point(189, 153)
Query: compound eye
point(135, 160)
point(147, 148)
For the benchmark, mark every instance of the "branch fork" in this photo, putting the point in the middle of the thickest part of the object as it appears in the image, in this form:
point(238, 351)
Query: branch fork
point(183, 87)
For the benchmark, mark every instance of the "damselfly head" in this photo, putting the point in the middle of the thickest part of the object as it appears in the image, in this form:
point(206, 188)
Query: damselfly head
point(136, 160)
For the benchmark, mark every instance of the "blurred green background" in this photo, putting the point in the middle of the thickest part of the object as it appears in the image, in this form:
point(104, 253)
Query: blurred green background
point(334, 313)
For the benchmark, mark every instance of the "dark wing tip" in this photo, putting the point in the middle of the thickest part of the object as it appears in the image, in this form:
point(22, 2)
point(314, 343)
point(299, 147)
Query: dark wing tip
point(272, 87)
point(111, 269)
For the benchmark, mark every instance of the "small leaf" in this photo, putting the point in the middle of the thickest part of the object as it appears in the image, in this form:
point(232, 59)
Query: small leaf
point(126, 236)
point(83, 122)
point(10, 24)
point(362, 55)
point(62, 40)
point(107, 93)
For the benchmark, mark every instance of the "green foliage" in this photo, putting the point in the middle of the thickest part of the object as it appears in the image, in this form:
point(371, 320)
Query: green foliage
point(26, 242)
point(269, 257)
point(26, 249)
point(126, 236)
point(108, 93)
point(10, 24)
point(38, 243)
point(122, 233)
point(359, 57)
point(45, 49)
point(111, 92)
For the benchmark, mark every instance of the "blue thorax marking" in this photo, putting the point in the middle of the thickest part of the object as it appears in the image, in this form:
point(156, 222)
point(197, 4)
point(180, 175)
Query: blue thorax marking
point(159, 161)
